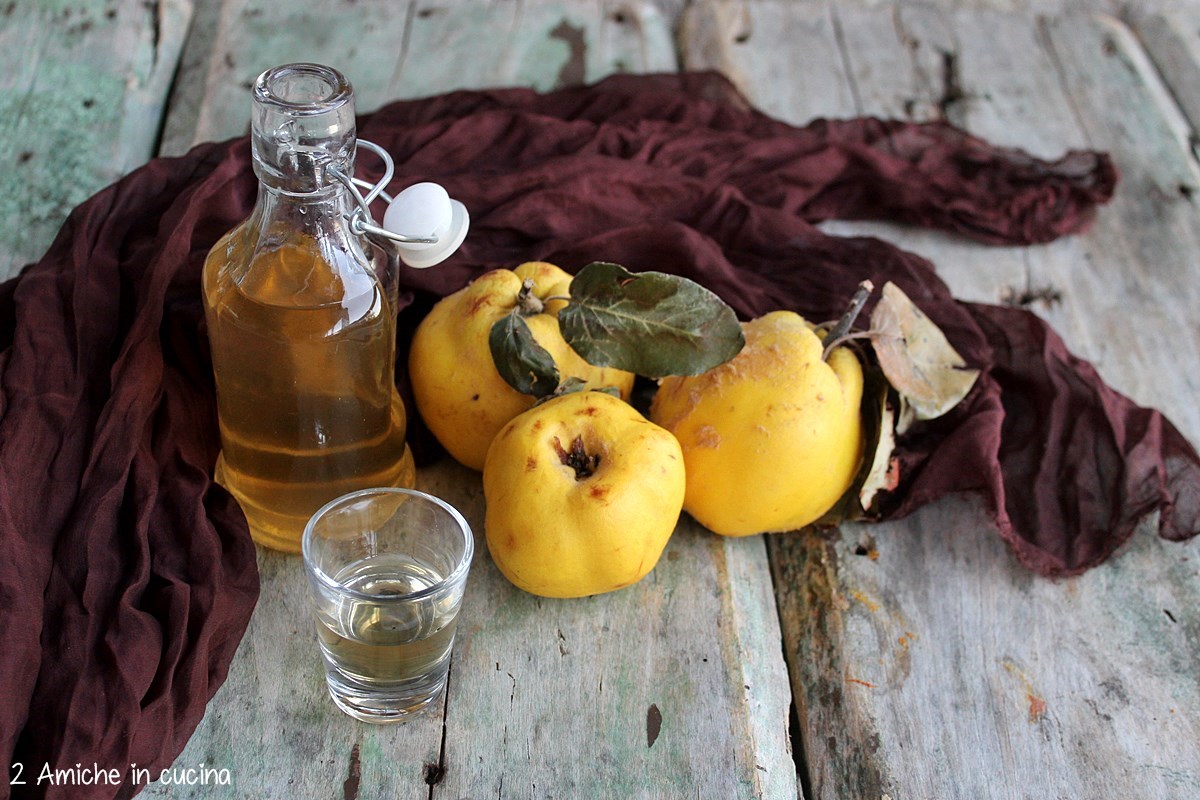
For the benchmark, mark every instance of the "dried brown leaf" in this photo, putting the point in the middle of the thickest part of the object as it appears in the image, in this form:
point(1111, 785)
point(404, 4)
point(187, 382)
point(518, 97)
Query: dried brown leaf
point(916, 357)
point(879, 477)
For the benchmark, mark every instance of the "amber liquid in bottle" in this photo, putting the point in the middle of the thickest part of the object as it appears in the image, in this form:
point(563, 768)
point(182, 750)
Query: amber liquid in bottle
point(307, 405)
point(302, 335)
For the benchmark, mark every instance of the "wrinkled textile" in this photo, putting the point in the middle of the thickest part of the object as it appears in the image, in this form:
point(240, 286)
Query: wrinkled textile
point(128, 577)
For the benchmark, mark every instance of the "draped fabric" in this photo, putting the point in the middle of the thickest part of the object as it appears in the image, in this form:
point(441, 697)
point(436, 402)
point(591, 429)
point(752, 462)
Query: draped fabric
point(127, 577)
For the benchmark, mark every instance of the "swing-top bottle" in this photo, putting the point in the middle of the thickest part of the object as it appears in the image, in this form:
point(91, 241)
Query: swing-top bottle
point(301, 320)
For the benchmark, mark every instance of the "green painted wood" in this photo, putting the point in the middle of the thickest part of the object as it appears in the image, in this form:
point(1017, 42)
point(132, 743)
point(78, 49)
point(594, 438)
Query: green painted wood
point(742, 41)
point(234, 41)
point(933, 665)
point(543, 44)
point(82, 90)
point(393, 50)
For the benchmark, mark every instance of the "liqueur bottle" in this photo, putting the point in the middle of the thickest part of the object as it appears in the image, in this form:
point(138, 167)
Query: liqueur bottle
point(301, 319)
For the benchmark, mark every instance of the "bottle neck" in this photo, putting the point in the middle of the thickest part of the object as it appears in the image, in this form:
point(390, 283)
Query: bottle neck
point(315, 223)
point(315, 227)
point(319, 213)
point(303, 128)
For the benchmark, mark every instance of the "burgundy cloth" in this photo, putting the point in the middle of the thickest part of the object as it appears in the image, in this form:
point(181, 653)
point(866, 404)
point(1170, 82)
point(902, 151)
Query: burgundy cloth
point(128, 577)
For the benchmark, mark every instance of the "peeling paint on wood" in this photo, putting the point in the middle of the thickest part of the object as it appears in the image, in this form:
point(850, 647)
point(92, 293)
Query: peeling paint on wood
point(415, 48)
point(81, 97)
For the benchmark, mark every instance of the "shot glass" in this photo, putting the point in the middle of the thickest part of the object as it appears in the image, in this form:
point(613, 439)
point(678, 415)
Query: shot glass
point(387, 569)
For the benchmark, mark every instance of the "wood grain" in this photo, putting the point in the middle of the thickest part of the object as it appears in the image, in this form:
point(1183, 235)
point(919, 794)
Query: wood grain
point(940, 668)
point(636, 693)
point(932, 665)
point(546, 698)
point(1172, 40)
point(82, 91)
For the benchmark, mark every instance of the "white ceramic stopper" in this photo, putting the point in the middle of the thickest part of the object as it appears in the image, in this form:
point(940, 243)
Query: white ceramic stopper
point(424, 210)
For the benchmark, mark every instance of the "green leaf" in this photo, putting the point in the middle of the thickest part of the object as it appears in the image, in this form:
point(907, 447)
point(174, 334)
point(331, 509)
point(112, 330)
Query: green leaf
point(648, 323)
point(916, 356)
point(523, 363)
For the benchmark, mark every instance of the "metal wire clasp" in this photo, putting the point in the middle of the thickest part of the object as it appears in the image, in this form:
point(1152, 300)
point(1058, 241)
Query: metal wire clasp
point(361, 221)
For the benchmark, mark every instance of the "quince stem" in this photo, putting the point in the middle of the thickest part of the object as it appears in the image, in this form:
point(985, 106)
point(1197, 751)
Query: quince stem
point(528, 303)
point(841, 331)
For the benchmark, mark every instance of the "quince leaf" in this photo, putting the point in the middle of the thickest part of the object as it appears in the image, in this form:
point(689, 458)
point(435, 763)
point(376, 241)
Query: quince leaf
point(916, 357)
point(905, 416)
point(878, 444)
point(648, 323)
point(881, 475)
point(523, 363)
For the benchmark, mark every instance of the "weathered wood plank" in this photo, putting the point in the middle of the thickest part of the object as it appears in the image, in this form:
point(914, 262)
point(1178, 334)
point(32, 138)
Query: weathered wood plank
point(741, 40)
point(274, 729)
point(546, 698)
point(943, 669)
point(234, 41)
point(82, 91)
point(556, 698)
point(1172, 39)
point(400, 50)
point(1144, 246)
point(939, 667)
point(542, 44)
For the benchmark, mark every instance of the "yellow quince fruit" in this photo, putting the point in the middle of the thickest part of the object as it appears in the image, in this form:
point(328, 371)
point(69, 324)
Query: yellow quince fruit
point(459, 393)
point(772, 438)
point(582, 493)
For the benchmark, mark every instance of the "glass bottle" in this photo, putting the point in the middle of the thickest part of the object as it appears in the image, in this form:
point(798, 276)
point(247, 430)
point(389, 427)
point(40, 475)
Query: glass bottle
point(301, 320)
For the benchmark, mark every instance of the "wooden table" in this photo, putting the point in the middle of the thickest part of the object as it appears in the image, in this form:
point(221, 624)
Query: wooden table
point(914, 659)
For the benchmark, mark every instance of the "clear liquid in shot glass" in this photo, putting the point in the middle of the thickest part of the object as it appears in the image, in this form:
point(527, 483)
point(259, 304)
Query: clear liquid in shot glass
point(371, 646)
